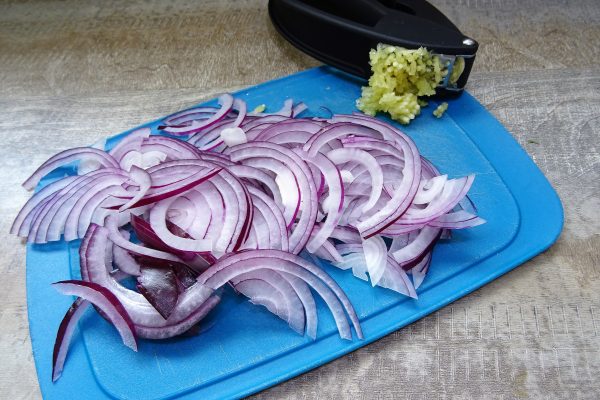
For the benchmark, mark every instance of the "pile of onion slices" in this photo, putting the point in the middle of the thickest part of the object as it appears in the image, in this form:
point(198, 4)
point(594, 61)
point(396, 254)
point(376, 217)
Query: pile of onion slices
point(219, 196)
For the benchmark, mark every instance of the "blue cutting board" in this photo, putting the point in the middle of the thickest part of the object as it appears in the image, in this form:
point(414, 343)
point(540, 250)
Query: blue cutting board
point(244, 348)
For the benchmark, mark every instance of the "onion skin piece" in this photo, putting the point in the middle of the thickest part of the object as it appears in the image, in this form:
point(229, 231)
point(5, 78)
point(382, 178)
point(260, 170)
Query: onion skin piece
point(107, 302)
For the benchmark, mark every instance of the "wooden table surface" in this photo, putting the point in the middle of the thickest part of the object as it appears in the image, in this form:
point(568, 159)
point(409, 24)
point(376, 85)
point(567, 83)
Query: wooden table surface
point(72, 72)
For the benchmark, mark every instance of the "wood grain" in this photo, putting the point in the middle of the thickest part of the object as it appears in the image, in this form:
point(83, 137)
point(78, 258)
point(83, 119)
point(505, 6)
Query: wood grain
point(72, 72)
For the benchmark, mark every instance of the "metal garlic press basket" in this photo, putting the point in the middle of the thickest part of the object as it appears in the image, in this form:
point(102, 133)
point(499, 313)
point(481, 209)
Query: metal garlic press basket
point(342, 32)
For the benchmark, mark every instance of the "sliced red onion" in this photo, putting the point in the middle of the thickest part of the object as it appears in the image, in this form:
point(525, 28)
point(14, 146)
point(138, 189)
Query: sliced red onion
point(399, 230)
point(25, 215)
point(327, 288)
point(158, 221)
point(429, 189)
point(299, 109)
point(226, 102)
point(273, 217)
point(132, 141)
point(356, 262)
point(255, 153)
point(339, 156)
point(88, 209)
point(46, 211)
point(287, 186)
point(457, 220)
point(143, 181)
point(193, 304)
point(203, 138)
point(292, 125)
point(190, 115)
point(88, 165)
point(106, 301)
point(394, 278)
point(375, 252)
point(454, 190)
point(336, 131)
point(65, 334)
point(305, 296)
point(66, 157)
point(169, 331)
point(288, 305)
point(261, 123)
point(328, 252)
point(157, 194)
point(125, 262)
point(286, 110)
point(245, 171)
point(401, 198)
point(331, 188)
point(420, 270)
point(346, 234)
point(335, 199)
point(175, 149)
point(113, 230)
point(413, 252)
point(142, 160)
point(53, 217)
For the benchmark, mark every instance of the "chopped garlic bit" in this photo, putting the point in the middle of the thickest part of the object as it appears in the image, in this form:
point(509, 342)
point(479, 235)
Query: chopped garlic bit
point(399, 77)
point(440, 110)
point(259, 109)
point(457, 70)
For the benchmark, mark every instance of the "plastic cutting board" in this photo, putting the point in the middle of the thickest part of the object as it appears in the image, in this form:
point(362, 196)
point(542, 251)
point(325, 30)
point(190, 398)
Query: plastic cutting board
point(244, 348)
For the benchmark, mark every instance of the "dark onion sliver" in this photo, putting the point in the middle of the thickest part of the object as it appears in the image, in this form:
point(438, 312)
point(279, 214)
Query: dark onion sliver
point(65, 334)
point(159, 287)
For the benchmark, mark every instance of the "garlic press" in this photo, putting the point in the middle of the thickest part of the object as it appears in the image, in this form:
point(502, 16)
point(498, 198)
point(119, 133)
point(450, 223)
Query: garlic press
point(342, 32)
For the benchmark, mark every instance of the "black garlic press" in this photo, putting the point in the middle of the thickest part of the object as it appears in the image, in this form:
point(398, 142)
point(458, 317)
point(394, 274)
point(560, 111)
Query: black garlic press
point(342, 32)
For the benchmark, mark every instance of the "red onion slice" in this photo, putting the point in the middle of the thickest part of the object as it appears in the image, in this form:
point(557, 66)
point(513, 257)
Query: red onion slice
point(256, 152)
point(393, 276)
point(288, 305)
point(327, 288)
point(106, 301)
point(226, 102)
point(193, 304)
point(375, 252)
point(132, 141)
point(419, 271)
point(65, 334)
point(339, 156)
point(335, 199)
point(66, 157)
point(24, 216)
point(158, 221)
point(413, 252)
